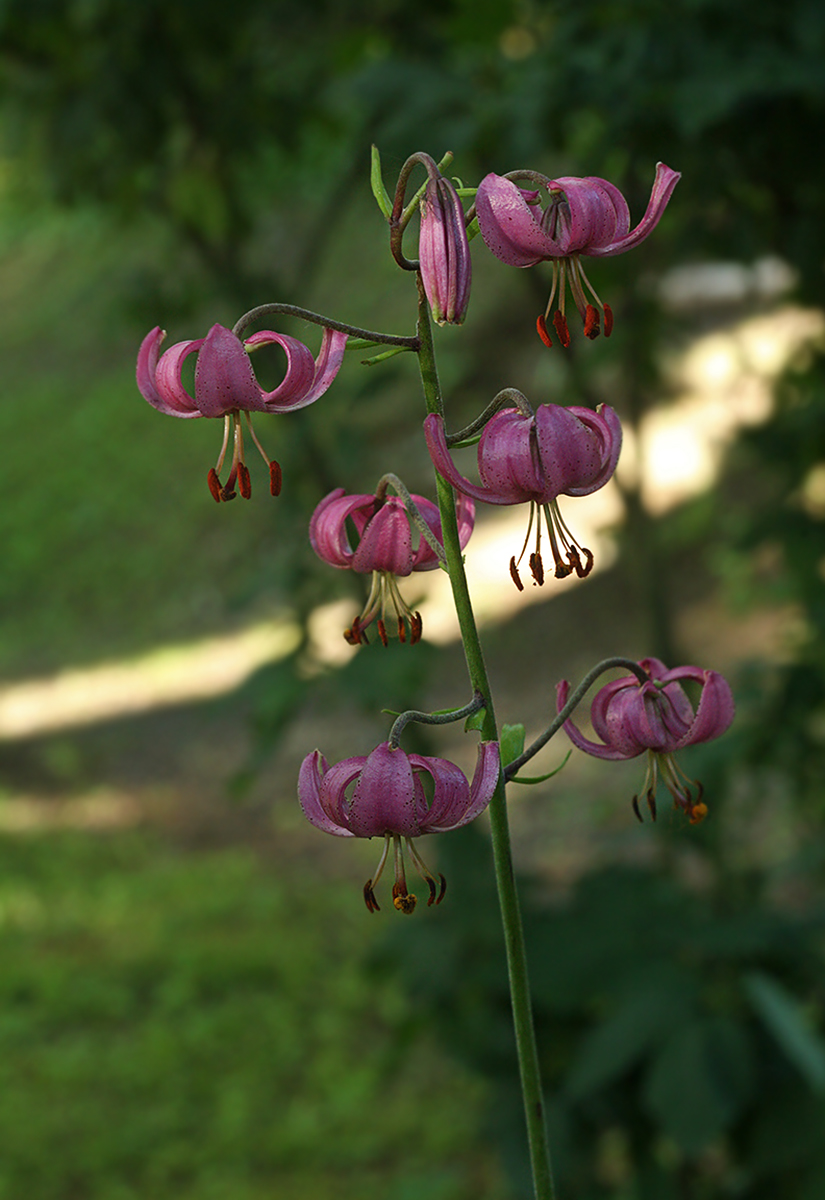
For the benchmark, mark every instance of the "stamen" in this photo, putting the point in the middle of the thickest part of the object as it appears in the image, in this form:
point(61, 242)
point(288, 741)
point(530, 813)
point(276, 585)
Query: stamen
point(541, 326)
point(402, 630)
point(382, 631)
point(560, 325)
point(608, 320)
point(697, 812)
point(355, 635)
point(635, 803)
point(275, 478)
point(369, 898)
point(214, 485)
point(651, 802)
point(436, 893)
point(591, 322)
point(537, 568)
point(514, 575)
point(244, 481)
point(416, 626)
point(403, 899)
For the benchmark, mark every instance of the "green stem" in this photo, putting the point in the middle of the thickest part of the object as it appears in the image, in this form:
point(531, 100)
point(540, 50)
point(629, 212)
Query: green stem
point(499, 824)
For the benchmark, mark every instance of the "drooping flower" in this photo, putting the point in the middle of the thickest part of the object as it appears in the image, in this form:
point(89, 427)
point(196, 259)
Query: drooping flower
point(656, 717)
point(384, 548)
point(225, 386)
point(382, 795)
point(583, 217)
point(535, 459)
point(444, 252)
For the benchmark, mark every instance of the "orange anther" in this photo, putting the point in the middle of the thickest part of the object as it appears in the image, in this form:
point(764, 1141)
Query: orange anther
point(214, 485)
point(608, 320)
point(560, 325)
point(541, 326)
point(591, 322)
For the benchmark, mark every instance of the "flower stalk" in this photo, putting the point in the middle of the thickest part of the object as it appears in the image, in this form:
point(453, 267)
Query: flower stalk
point(520, 996)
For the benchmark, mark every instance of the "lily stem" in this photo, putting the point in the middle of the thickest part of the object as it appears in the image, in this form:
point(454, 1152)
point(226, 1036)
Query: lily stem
point(499, 825)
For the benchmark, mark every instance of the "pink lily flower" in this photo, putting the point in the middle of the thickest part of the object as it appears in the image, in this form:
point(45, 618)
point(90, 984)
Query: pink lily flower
point(535, 459)
point(586, 216)
point(388, 800)
point(656, 717)
point(225, 386)
point(444, 252)
point(384, 548)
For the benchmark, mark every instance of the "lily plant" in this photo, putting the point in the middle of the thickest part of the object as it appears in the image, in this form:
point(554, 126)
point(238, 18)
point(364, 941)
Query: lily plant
point(525, 455)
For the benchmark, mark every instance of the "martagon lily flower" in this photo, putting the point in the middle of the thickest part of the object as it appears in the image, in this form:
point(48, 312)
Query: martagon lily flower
point(584, 217)
point(384, 548)
point(656, 717)
point(382, 795)
point(225, 386)
point(535, 459)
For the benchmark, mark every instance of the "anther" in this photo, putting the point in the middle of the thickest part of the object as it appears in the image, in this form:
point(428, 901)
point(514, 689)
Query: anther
point(591, 322)
point(382, 631)
point(574, 558)
point(537, 568)
point(404, 903)
point(355, 634)
point(697, 812)
point(416, 626)
point(402, 630)
point(228, 492)
point(562, 570)
point(275, 478)
point(443, 888)
point(560, 325)
point(369, 898)
point(514, 575)
point(608, 320)
point(541, 326)
point(635, 803)
point(244, 481)
point(214, 485)
point(651, 802)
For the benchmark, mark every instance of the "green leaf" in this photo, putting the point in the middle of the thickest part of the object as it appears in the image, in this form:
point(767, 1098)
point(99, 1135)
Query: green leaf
point(511, 741)
point(698, 1083)
point(782, 1015)
point(377, 184)
point(475, 720)
point(641, 1019)
point(531, 779)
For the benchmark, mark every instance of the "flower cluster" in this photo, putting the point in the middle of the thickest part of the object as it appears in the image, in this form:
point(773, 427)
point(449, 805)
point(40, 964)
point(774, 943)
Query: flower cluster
point(524, 456)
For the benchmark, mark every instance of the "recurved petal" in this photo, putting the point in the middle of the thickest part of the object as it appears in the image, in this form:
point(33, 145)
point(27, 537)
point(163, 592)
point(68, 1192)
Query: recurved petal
point(604, 749)
point(327, 364)
point(384, 797)
point(571, 453)
point(451, 793)
point(224, 379)
point(595, 214)
point(300, 372)
point(327, 527)
point(310, 778)
point(159, 380)
point(715, 712)
point(605, 429)
point(386, 542)
point(508, 459)
point(663, 185)
point(509, 226)
point(442, 460)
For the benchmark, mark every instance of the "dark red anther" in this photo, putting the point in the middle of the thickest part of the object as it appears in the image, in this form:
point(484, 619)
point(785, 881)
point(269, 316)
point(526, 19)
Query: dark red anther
point(443, 888)
point(562, 570)
point(244, 481)
point(560, 325)
point(636, 810)
point(355, 634)
point(537, 568)
point(369, 898)
point(591, 322)
point(228, 493)
point(430, 882)
point(651, 802)
point(608, 320)
point(214, 485)
point(584, 571)
point(541, 326)
point(275, 478)
point(416, 626)
point(514, 575)
point(402, 630)
point(382, 631)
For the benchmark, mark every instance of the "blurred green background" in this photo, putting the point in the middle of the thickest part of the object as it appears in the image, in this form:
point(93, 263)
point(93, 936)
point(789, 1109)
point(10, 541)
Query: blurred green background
point(193, 1001)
